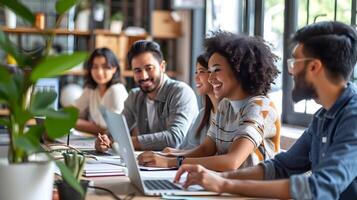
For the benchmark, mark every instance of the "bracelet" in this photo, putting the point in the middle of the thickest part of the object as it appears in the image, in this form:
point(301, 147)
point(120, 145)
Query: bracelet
point(180, 160)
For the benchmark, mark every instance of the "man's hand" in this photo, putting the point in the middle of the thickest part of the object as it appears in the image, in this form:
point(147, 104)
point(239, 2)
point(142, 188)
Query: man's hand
point(102, 143)
point(198, 175)
point(151, 159)
point(136, 143)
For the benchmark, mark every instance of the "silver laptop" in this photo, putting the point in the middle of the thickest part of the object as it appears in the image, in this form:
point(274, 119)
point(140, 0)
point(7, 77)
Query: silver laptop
point(118, 127)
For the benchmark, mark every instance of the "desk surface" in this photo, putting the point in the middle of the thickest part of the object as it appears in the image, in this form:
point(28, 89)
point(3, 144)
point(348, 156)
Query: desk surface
point(121, 186)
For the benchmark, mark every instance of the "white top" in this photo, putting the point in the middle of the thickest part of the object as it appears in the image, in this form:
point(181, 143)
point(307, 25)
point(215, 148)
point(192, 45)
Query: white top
point(150, 107)
point(88, 103)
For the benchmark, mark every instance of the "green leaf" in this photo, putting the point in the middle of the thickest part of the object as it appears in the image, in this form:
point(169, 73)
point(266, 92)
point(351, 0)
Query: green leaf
point(7, 46)
point(21, 116)
point(57, 65)
point(42, 100)
point(34, 135)
point(21, 142)
point(5, 122)
point(19, 83)
point(9, 91)
point(63, 5)
point(4, 75)
point(59, 123)
point(5, 81)
point(19, 9)
point(33, 57)
point(69, 178)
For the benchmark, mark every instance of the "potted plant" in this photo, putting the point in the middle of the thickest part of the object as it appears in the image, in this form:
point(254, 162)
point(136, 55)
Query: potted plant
point(25, 174)
point(10, 18)
point(82, 16)
point(75, 163)
point(116, 22)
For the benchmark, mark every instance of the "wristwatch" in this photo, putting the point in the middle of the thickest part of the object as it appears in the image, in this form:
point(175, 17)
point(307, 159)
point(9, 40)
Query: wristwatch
point(180, 160)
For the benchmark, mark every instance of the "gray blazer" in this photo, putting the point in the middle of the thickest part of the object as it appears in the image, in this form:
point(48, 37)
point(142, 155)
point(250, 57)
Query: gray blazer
point(176, 108)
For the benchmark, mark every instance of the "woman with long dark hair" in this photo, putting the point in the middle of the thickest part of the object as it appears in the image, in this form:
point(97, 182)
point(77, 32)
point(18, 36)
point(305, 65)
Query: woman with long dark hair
point(199, 128)
point(102, 87)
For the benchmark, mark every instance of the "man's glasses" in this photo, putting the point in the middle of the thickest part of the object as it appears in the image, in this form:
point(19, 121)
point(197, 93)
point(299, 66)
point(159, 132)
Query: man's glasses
point(292, 61)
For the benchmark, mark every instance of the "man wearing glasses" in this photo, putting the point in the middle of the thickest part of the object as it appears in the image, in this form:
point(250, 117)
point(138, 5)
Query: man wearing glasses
point(321, 65)
point(161, 110)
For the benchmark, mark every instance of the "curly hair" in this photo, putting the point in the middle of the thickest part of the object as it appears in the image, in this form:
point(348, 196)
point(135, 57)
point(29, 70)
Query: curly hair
point(250, 58)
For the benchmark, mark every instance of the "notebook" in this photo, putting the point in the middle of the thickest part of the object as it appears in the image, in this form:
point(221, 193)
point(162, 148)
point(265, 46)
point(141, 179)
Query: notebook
point(118, 127)
point(102, 169)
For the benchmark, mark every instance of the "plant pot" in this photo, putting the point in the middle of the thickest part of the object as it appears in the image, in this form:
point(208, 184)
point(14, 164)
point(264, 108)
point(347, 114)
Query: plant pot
point(82, 20)
point(30, 181)
point(10, 18)
point(116, 26)
point(66, 192)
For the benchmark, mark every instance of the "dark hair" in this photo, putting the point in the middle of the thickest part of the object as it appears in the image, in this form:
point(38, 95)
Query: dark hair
point(203, 61)
point(111, 61)
point(334, 43)
point(143, 46)
point(249, 57)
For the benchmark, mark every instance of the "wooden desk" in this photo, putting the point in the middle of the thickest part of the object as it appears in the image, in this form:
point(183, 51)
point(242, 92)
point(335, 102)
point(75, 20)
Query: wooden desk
point(121, 186)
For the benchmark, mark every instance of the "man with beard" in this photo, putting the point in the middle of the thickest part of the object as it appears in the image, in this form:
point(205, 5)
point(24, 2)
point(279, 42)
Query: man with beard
point(161, 110)
point(322, 63)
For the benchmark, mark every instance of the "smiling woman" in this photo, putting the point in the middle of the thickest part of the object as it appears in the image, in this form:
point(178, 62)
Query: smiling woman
point(103, 87)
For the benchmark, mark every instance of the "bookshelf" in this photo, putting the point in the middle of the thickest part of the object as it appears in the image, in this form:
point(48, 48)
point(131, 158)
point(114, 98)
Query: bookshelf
point(118, 42)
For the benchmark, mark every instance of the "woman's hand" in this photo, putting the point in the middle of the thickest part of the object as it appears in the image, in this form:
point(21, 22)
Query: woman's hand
point(102, 143)
point(151, 159)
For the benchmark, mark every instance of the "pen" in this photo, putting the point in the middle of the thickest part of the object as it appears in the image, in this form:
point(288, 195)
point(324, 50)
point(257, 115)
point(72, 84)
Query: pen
point(102, 141)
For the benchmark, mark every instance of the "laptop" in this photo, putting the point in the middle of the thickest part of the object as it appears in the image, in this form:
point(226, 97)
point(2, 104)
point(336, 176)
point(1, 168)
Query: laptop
point(118, 127)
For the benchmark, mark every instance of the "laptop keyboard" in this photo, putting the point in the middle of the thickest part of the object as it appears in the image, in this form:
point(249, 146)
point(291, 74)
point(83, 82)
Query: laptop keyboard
point(160, 185)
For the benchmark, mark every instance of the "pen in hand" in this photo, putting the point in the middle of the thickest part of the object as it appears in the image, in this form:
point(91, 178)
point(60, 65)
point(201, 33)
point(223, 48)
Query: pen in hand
point(100, 137)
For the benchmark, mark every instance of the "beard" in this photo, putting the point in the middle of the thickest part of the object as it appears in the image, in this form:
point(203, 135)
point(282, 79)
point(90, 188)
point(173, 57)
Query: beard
point(303, 89)
point(155, 85)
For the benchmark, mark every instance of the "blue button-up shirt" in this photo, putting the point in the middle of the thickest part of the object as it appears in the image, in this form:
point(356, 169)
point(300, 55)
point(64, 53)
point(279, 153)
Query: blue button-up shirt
point(328, 148)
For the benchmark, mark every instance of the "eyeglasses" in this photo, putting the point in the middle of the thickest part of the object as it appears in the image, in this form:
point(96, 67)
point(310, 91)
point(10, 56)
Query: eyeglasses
point(291, 62)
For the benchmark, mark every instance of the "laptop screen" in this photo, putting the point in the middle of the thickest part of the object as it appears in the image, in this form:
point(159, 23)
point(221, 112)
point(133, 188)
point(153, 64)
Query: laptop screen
point(119, 130)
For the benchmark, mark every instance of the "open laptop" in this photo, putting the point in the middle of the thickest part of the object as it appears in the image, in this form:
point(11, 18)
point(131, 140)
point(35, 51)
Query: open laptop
point(118, 127)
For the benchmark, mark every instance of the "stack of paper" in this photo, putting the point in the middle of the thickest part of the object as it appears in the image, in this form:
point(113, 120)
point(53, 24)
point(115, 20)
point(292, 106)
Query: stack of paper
point(102, 169)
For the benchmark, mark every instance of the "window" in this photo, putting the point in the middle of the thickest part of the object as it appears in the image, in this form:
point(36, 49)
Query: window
point(222, 15)
point(315, 11)
point(273, 33)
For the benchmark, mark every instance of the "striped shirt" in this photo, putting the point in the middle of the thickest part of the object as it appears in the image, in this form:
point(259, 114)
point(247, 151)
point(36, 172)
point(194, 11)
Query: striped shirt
point(254, 118)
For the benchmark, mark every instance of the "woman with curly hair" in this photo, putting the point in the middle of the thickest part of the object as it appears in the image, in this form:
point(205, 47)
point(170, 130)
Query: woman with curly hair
point(246, 129)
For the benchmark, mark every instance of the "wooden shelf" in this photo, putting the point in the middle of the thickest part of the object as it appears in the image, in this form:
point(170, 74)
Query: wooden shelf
point(63, 31)
point(109, 33)
point(30, 30)
point(125, 73)
point(96, 32)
